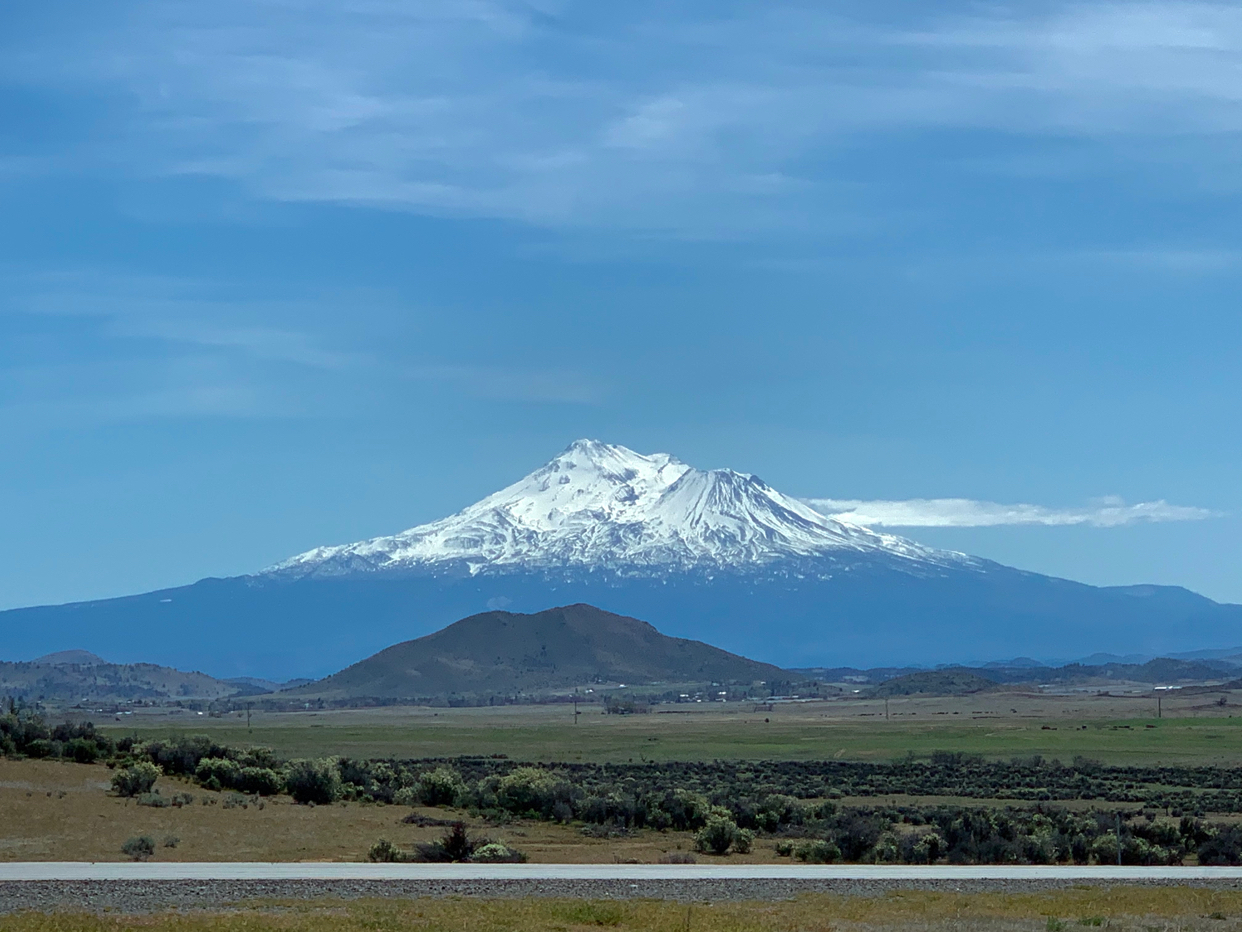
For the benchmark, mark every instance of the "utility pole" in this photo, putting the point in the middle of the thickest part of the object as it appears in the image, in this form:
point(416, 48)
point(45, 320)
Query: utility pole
point(886, 708)
point(576, 712)
point(249, 706)
point(1159, 708)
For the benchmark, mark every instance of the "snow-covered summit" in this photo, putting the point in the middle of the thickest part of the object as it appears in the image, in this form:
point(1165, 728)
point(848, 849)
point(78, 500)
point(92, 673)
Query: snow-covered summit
point(599, 506)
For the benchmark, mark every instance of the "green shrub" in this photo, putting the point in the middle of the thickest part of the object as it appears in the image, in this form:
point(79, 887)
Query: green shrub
point(139, 848)
point(82, 750)
point(717, 836)
point(259, 781)
point(385, 852)
point(313, 781)
point(495, 852)
point(534, 791)
point(687, 809)
point(154, 800)
point(40, 748)
point(135, 779)
point(171, 841)
point(818, 851)
point(440, 787)
point(217, 773)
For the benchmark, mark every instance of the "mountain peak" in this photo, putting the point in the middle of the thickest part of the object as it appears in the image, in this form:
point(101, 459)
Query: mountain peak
point(600, 506)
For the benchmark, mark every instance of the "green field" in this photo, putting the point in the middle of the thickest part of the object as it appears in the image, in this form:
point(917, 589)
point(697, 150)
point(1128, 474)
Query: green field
point(1004, 728)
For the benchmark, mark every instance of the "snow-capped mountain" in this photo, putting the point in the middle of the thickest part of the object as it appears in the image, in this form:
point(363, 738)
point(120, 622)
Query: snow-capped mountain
point(604, 507)
point(715, 556)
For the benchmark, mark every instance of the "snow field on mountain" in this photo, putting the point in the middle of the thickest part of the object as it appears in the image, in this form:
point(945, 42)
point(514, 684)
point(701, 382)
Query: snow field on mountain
point(604, 507)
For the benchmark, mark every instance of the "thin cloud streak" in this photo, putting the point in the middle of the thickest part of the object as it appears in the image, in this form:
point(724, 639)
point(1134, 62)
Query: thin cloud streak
point(647, 120)
point(965, 512)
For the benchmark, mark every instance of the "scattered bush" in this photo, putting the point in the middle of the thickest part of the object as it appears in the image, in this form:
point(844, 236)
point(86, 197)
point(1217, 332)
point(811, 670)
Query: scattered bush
point(385, 852)
point(22, 733)
point(817, 851)
point(217, 773)
point(1222, 848)
point(456, 844)
point(535, 792)
point(171, 841)
point(40, 748)
point(717, 836)
point(422, 821)
point(496, 852)
point(314, 781)
point(154, 800)
point(440, 787)
point(83, 750)
point(135, 779)
point(139, 848)
point(259, 781)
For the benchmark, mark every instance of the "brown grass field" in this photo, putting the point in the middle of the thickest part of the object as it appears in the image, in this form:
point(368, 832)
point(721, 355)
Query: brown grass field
point(1134, 909)
point(62, 812)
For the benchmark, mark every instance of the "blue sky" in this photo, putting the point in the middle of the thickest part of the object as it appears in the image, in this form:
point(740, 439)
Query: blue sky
point(278, 273)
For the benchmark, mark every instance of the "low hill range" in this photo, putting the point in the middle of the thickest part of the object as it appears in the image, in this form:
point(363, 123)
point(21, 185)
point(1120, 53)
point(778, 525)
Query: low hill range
point(501, 655)
point(504, 653)
point(79, 676)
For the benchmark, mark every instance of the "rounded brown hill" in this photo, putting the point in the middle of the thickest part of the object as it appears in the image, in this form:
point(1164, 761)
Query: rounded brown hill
point(497, 653)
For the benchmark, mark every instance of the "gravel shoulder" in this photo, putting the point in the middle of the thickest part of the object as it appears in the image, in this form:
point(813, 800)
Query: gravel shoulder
point(142, 896)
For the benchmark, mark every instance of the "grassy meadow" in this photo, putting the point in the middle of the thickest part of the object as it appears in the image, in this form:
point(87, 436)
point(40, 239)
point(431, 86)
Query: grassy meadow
point(1110, 729)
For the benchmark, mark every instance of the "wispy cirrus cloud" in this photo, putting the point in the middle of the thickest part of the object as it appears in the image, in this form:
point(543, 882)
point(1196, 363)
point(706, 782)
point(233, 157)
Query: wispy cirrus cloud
point(966, 512)
point(690, 119)
point(84, 346)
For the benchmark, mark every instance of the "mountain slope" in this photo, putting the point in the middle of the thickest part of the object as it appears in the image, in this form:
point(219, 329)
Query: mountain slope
point(500, 653)
point(713, 556)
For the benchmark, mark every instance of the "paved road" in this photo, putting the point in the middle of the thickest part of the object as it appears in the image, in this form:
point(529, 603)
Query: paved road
point(249, 871)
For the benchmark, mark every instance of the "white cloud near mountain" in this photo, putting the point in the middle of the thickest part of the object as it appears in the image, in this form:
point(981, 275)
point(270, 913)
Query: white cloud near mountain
point(966, 512)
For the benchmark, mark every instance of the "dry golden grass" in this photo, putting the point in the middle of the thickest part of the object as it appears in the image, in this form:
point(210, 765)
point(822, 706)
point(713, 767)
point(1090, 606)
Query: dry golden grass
point(62, 812)
point(1143, 909)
